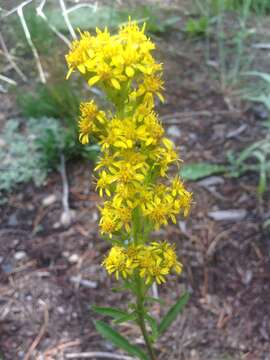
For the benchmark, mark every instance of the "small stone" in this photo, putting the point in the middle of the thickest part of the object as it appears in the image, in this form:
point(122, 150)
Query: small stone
point(7, 268)
point(49, 200)
point(19, 255)
point(61, 310)
point(67, 217)
point(57, 225)
point(21, 354)
point(84, 282)
point(228, 215)
point(2, 142)
point(13, 221)
point(94, 216)
point(183, 226)
point(173, 131)
point(74, 258)
point(247, 277)
point(211, 181)
point(260, 112)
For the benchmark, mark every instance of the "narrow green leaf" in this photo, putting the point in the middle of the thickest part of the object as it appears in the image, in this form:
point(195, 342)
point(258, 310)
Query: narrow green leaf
point(107, 332)
point(109, 311)
point(153, 299)
point(172, 313)
point(154, 326)
point(124, 318)
point(262, 75)
point(198, 171)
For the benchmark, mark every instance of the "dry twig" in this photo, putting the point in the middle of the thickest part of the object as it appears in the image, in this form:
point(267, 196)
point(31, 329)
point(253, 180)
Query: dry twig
point(50, 353)
point(171, 118)
point(67, 214)
point(40, 334)
point(12, 11)
point(8, 80)
point(30, 42)
point(97, 354)
point(78, 6)
point(66, 18)
point(39, 11)
point(10, 59)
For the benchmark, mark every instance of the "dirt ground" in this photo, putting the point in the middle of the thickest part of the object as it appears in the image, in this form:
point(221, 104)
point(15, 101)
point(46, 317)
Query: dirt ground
point(50, 275)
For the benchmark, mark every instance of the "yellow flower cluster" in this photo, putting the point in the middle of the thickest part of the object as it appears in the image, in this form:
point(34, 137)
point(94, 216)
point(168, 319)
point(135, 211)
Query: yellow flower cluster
point(132, 172)
point(113, 61)
point(151, 262)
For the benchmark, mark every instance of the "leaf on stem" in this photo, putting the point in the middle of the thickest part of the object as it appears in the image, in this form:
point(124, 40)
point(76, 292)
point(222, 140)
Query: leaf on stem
point(154, 327)
point(172, 313)
point(109, 311)
point(109, 333)
point(153, 299)
point(127, 317)
point(199, 171)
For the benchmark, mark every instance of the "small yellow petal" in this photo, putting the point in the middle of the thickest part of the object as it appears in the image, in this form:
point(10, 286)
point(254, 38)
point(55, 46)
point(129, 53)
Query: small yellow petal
point(69, 73)
point(129, 143)
point(93, 80)
point(115, 84)
point(108, 192)
point(81, 68)
point(129, 71)
point(161, 98)
point(167, 143)
point(84, 138)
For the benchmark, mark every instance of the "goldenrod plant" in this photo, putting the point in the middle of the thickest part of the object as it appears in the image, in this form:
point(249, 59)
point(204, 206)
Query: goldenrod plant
point(133, 173)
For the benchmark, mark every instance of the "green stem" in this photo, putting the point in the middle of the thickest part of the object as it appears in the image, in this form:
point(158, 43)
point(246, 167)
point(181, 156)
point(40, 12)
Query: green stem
point(141, 320)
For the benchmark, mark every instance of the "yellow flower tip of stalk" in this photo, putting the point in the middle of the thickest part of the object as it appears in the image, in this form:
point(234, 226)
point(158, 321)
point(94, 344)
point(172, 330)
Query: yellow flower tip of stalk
point(136, 156)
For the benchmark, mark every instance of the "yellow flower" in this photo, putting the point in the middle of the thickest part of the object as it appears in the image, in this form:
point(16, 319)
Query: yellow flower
point(105, 161)
point(133, 170)
point(110, 136)
point(125, 193)
point(157, 272)
point(124, 214)
point(108, 222)
point(152, 85)
point(78, 54)
point(167, 251)
point(127, 133)
point(153, 128)
point(131, 33)
point(157, 211)
point(89, 113)
point(117, 262)
point(166, 156)
point(151, 267)
point(104, 182)
point(142, 110)
point(125, 173)
point(151, 262)
point(156, 261)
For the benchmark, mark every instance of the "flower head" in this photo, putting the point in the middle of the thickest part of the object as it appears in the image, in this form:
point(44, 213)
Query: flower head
point(117, 262)
point(151, 262)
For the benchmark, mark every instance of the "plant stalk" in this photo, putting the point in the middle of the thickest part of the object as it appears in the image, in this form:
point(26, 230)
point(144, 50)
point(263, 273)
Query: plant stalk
point(141, 320)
